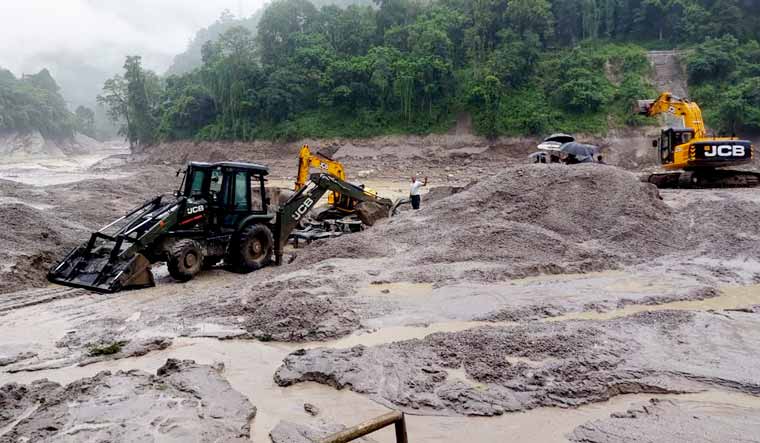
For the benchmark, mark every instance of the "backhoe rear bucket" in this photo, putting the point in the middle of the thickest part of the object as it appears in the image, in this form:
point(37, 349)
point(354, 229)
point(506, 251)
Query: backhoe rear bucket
point(101, 273)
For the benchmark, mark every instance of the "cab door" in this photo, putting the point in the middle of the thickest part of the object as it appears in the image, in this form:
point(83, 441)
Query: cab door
point(239, 204)
point(218, 195)
point(666, 147)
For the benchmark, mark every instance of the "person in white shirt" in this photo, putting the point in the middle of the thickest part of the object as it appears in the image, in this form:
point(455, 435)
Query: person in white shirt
point(414, 192)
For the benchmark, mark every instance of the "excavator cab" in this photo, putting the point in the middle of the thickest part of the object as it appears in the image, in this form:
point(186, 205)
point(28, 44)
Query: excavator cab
point(670, 139)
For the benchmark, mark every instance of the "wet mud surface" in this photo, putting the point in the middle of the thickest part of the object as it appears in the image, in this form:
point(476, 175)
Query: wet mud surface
point(516, 288)
point(493, 370)
point(674, 420)
point(182, 402)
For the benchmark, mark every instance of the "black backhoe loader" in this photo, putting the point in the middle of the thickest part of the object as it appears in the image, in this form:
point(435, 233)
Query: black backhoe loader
point(221, 212)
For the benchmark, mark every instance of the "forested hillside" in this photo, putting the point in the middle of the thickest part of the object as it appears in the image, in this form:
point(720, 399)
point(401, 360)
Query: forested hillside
point(404, 66)
point(192, 58)
point(34, 103)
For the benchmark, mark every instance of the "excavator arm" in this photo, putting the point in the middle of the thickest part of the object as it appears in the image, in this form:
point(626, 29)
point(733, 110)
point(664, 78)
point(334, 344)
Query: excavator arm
point(307, 161)
point(681, 107)
point(297, 206)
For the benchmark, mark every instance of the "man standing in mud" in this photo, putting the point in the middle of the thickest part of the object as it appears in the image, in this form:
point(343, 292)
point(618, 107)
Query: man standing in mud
point(414, 192)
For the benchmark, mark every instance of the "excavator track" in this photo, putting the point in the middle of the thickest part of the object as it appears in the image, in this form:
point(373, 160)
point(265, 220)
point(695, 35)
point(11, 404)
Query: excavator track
point(704, 179)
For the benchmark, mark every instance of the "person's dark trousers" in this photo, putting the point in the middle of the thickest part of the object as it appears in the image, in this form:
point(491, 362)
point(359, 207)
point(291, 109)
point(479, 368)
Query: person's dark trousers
point(415, 201)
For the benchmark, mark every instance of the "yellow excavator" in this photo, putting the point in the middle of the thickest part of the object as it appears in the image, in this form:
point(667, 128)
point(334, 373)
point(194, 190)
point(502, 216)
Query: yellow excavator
point(690, 155)
point(340, 205)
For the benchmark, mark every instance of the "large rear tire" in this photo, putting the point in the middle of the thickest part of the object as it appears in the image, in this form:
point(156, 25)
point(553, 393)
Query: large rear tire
point(185, 260)
point(253, 250)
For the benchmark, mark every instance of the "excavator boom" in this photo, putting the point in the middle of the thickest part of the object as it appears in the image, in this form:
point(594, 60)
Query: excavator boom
point(681, 107)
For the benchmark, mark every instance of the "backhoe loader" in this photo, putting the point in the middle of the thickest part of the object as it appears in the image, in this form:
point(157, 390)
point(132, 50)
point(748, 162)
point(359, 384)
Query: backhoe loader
point(339, 205)
point(691, 154)
point(221, 212)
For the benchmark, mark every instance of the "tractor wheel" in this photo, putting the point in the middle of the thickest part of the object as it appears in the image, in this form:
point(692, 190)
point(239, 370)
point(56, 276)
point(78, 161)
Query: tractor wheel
point(253, 249)
point(185, 260)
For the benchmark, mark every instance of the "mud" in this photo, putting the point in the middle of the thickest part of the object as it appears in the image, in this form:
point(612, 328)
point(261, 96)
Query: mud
point(295, 309)
point(512, 289)
point(289, 432)
point(534, 218)
point(40, 222)
point(674, 420)
point(575, 363)
point(183, 401)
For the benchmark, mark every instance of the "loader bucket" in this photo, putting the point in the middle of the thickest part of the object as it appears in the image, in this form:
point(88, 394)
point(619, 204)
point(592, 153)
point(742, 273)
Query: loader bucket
point(101, 273)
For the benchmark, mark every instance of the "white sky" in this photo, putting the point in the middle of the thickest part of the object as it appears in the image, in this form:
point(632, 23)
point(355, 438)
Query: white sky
point(103, 32)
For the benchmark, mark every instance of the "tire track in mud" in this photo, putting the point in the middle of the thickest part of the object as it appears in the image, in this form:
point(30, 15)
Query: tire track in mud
point(17, 300)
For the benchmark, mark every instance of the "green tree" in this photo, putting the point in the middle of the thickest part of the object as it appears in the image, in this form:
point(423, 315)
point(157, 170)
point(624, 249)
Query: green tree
point(85, 120)
point(141, 100)
point(282, 22)
point(114, 100)
point(486, 98)
point(531, 16)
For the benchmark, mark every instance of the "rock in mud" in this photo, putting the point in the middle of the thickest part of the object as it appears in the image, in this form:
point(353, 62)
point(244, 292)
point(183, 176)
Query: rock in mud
point(674, 420)
point(182, 402)
point(492, 370)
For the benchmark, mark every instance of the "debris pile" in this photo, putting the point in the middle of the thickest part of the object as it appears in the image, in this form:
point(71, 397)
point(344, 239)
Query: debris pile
point(31, 240)
point(296, 309)
point(536, 218)
point(183, 401)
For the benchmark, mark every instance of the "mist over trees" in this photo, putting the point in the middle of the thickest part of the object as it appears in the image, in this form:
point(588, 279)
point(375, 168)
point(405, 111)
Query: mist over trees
point(402, 66)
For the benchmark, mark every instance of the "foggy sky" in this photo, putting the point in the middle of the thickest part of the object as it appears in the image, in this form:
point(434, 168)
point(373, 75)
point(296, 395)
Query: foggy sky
point(100, 33)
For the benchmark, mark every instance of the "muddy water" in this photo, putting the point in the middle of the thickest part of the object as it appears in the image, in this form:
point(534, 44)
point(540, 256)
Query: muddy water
point(57, 171)
point(737, 297)
point(397, 333)
point(397, 289)
point(249, 367)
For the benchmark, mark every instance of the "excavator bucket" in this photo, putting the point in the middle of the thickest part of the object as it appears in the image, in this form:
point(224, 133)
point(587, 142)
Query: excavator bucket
point(100, 271)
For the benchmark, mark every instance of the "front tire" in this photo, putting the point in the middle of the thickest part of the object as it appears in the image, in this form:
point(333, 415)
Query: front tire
point(253, 250)
point(185, 260)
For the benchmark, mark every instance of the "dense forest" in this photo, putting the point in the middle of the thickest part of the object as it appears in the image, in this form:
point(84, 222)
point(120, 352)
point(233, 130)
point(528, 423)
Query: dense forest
point(406, 66)
point(34, 103)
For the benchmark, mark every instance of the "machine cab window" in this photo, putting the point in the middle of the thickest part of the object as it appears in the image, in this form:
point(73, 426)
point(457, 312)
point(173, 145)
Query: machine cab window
point(242, 200)
point(217, 187)
point(196, 182)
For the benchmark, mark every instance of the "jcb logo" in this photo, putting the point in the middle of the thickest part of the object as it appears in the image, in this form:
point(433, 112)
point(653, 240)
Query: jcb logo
point(725, 151)
point(303, 209)
point(195, 210)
